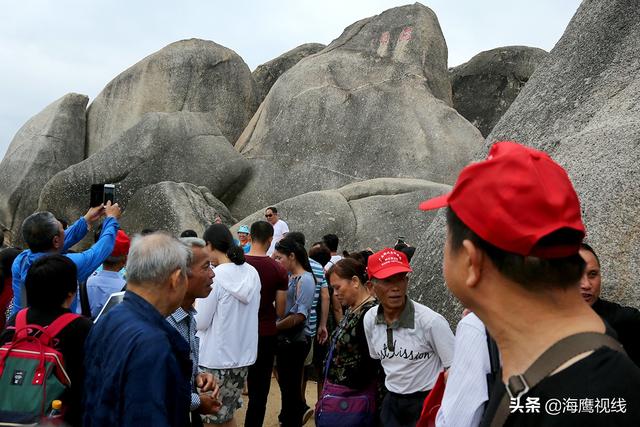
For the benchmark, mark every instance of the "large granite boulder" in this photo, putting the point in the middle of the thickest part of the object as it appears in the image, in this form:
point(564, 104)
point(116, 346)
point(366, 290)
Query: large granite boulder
point(484, 88)
point(49, 142)
point(371, 213)
point(266, 74)
point(581, 106)
point(374, 103)
point(179, 147)
point(188, 75)
point(173, 207)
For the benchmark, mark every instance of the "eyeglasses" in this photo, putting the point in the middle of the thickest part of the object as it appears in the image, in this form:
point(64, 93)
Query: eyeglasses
point(268, 215)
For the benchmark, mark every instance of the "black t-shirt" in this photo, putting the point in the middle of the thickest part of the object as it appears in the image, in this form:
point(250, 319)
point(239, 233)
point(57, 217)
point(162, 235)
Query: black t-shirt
point(626, 322)
point(71, 344)
point(605, 383)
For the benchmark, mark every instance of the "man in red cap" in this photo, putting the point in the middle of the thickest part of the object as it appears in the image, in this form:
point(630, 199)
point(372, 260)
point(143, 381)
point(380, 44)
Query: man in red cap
point(101, 284)
point(511, 256)
point(413, 342)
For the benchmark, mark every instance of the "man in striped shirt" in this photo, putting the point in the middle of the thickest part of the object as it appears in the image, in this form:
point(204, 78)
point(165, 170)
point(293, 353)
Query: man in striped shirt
point(200, 278)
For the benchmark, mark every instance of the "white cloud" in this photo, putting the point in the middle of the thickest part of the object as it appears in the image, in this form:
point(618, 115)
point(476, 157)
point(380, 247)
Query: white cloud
point(51, 47)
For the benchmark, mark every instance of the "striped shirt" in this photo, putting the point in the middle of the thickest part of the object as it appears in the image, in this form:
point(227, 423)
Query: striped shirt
point(318, 273)
point(185, 324)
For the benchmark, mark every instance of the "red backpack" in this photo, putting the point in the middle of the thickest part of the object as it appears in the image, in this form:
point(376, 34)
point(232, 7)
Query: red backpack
point(32, 373)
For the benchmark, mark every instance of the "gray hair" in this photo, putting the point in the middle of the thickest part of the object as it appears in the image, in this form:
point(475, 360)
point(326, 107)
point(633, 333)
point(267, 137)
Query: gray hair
point(193, 241)
point(154, 257)
point(39, 229)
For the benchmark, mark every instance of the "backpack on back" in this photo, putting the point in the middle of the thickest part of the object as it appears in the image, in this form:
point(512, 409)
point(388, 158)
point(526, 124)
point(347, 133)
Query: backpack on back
point(32, 373)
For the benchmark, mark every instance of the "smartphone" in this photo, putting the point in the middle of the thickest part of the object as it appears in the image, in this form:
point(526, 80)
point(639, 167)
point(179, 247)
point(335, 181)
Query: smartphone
point(109, 193)
point(101, 193)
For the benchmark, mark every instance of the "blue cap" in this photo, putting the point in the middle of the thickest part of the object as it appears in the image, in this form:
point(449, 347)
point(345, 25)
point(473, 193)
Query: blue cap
point(243, 229)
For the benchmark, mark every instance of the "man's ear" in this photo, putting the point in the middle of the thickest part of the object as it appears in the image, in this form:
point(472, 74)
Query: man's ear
point(176, 279)
point(57, 243)
point(474, 259)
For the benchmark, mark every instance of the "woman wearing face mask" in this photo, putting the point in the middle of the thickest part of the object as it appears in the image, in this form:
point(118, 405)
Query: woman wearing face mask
point(227, 321)
point(294, 336)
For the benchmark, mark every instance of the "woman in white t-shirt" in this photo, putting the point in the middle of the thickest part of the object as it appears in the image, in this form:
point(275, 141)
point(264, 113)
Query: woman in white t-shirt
point(227, 321)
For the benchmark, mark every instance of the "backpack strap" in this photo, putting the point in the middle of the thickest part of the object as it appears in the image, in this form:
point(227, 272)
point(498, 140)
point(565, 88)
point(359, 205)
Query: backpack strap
point(554, 357)
point(85, 307)
point(60, 323)
point(21, 324)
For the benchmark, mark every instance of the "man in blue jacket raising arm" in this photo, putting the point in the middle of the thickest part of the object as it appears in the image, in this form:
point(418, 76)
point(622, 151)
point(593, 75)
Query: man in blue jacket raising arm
point(45, 236)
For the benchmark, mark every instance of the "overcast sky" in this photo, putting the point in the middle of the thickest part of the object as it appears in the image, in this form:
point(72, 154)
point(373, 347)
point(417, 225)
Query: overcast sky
point(53, 47)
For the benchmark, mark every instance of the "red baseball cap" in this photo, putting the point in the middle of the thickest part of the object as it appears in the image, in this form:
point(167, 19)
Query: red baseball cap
point(386, 263)
point(122, 244)
point(513, 199)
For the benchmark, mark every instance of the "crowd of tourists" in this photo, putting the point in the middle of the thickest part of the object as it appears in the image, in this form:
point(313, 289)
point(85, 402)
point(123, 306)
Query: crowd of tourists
point(145, 328)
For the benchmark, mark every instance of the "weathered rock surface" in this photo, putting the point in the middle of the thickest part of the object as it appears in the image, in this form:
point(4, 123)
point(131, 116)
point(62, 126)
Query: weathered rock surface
point(49, 142)
point(581, 106)
point(484, 88)
point(365, 214)
point(179, 147)
point(188, 75)
point(266, 74)
point(375, 103)
point(173, 207)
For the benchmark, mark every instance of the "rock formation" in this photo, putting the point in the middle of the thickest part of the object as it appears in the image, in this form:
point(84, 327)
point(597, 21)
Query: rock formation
point(581, 107)
point(371, 213)
point(48, 143)
point(173, 207)
point(375, 103)
point(266, 74)
point(179, 147)
point(484, 88)
point(189, 75)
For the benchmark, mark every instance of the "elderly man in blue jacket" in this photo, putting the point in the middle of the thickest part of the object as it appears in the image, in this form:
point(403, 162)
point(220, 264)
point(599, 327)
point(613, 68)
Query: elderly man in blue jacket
point(44, 235)
point(138, 369)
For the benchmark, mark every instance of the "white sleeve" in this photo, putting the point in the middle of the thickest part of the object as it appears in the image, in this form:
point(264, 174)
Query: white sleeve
point(206, 309)
point(466, 390)
point(442, 340)
point(369, 324)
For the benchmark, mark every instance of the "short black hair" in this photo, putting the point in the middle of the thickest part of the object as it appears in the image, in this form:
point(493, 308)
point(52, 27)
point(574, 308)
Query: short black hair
point(332, 241)
point(532, 273)
point(7, 256)
point(146, 231)
point(587, 247)
point(272, 209)
point(261, 231)
point(39, 229)
point(220, 238)
point(321, 254)
point(49, 281)
point(189, 233)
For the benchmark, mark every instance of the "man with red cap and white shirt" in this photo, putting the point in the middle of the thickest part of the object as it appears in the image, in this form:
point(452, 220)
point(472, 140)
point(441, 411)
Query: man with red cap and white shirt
point(101, 284)
point(413, 342)
point(511, 256)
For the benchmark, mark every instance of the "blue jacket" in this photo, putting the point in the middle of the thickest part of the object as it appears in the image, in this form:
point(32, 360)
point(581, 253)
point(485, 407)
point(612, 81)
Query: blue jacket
point(137, 369)
point(86, 261)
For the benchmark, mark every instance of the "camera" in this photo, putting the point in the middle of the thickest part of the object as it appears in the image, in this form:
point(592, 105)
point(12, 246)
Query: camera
point(102, 193)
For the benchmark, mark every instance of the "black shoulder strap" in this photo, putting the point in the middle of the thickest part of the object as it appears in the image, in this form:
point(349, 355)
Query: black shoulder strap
point(554, 357)
point(85, 307)
point(494, 361)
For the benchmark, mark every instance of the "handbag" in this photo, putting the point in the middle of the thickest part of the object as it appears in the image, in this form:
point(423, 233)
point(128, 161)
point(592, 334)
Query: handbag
point(343, 406)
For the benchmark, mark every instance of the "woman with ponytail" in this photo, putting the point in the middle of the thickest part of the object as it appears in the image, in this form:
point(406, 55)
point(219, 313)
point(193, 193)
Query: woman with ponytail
point(227, 321)
point(294, 341)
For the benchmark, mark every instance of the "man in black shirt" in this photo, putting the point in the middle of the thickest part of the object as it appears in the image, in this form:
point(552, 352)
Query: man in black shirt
point(511, 256)
point(625, 321)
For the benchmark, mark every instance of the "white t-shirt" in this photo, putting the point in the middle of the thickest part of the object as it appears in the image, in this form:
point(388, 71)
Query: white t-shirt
point(279, 230)
point(466, 391)
point(227, 320)
point(420, 353)
point(332, 262)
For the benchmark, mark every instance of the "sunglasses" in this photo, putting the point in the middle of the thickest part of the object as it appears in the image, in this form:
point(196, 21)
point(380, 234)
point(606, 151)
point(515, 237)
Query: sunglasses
point(268, 215)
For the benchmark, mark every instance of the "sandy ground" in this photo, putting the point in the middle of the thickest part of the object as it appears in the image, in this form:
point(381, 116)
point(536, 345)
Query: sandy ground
point(273, 405)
